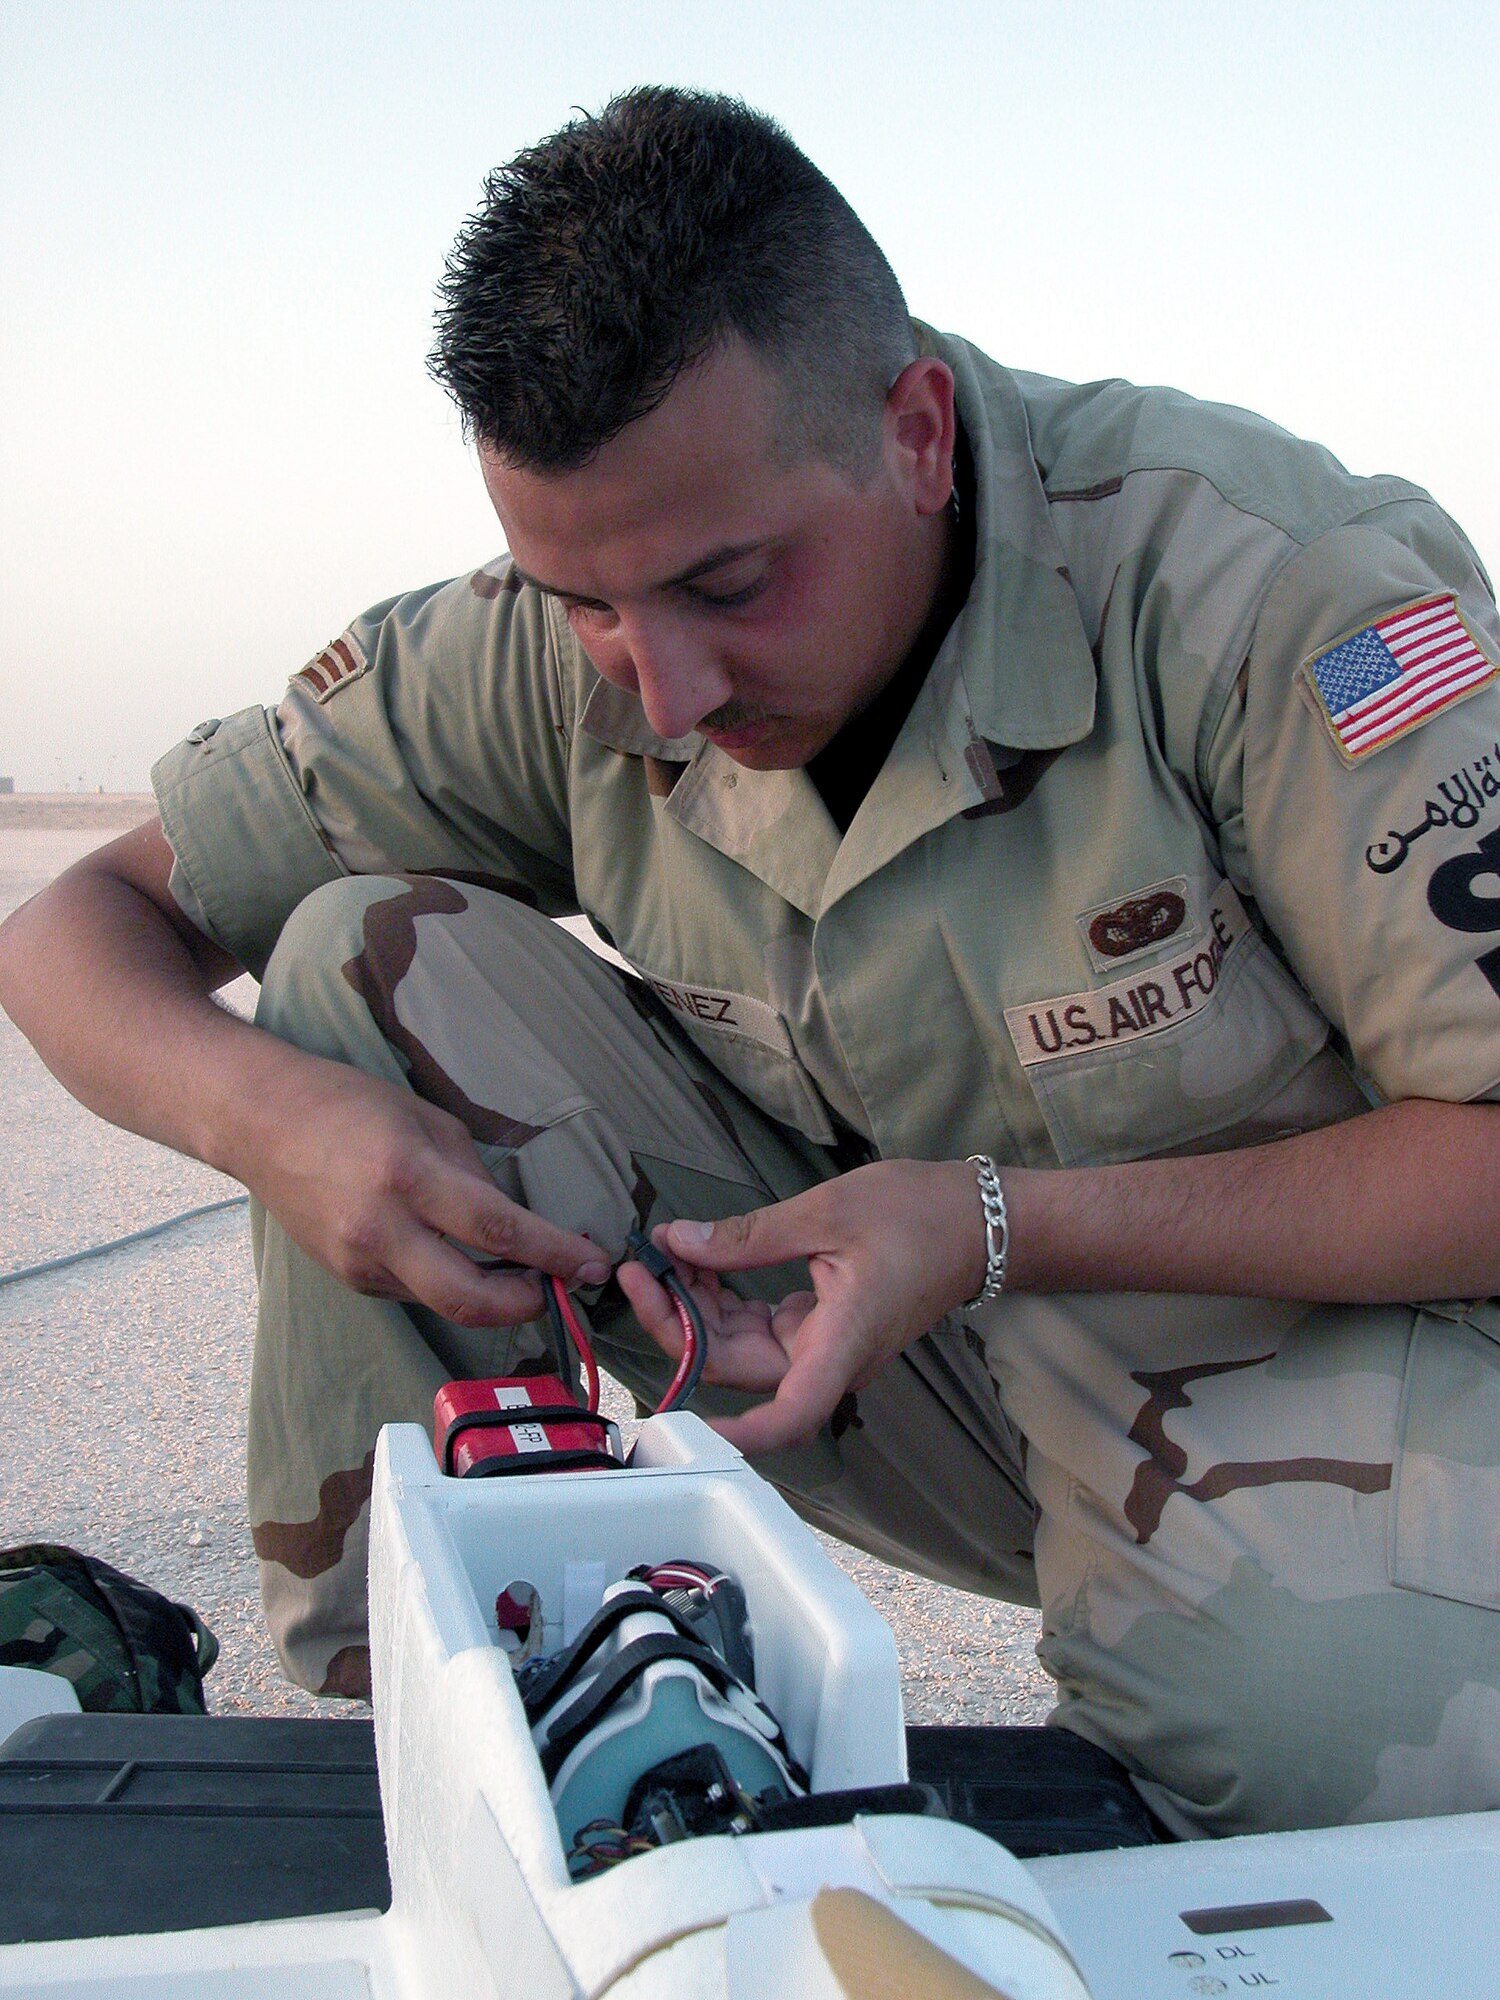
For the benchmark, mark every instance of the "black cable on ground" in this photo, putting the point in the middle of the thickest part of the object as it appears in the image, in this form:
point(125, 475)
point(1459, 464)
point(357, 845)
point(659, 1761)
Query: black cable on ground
point(120, 1242)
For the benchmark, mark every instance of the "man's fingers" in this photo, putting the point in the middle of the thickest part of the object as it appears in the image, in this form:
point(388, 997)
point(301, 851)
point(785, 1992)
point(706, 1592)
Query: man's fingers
point(824, 1364)
point(776, 1235)
point(651, 1305)
point(742, 1351)
point(787, 1318)
point(796, 1413)
point(452, 1285)
point(470, 1209)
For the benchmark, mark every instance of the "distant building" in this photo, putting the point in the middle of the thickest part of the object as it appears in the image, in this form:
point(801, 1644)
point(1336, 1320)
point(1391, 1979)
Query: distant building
point(7, 784)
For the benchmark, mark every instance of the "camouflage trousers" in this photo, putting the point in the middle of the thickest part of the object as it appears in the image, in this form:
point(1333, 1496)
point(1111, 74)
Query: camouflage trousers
point(1265, 1538)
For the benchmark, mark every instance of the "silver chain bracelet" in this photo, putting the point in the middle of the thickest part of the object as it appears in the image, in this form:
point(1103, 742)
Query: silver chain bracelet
point(996, 1230)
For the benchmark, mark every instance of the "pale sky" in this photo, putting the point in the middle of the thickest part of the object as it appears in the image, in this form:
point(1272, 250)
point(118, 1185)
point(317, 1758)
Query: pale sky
point(221, 222)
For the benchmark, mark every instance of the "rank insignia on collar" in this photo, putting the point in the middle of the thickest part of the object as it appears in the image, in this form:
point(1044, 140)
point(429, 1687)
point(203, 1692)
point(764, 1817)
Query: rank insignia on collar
point(1389, 678)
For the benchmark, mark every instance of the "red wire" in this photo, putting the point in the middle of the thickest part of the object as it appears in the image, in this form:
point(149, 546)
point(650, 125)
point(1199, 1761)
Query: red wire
point(579, 1339)
point(591, 1367)
point(689, 1356)
point(682, 1576)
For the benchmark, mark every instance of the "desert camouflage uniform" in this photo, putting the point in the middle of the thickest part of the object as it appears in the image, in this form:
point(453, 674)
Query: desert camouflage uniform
point(1116, 893)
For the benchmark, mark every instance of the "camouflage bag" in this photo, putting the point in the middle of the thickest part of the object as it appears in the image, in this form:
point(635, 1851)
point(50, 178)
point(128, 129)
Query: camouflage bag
point(124, 1647)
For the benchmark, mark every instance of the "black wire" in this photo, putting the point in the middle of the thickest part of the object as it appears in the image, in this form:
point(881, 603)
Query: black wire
point(657, 1262)
point(684, 1298)
point(25, 1271)
point(562, 1347)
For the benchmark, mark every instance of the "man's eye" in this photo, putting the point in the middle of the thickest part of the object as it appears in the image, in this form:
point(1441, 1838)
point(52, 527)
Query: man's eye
point(582, 608)
point(730, 600)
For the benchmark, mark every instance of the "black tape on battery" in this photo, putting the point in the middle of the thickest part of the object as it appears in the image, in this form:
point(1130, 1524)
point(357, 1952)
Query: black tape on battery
point(524, 1413)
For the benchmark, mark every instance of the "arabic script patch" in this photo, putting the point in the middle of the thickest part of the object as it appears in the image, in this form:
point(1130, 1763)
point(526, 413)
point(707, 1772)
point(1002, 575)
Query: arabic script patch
point(334, 668)
point(1389, 678)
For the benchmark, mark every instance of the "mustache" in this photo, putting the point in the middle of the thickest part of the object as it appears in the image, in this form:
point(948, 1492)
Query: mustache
point(735, 714)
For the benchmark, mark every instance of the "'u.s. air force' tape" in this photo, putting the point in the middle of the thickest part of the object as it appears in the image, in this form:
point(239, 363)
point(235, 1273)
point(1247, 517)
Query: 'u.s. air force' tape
point(1140, 1005)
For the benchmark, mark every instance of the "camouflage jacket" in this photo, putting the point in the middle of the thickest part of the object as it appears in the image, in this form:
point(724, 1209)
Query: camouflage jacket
point(1139, 873)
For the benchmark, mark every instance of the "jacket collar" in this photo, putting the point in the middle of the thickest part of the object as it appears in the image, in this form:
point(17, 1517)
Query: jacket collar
point(1026, 666)
point(617, 720)
point(772, 822)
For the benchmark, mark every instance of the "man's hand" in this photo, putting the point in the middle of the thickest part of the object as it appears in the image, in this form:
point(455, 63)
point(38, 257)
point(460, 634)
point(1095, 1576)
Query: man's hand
point(891, 1248)
point(1393, 1205)
point(380, 1187)
point(110, 981)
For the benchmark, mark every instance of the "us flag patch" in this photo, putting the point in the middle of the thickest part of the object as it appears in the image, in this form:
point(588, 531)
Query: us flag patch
point(1396, 674)
point(334, 667)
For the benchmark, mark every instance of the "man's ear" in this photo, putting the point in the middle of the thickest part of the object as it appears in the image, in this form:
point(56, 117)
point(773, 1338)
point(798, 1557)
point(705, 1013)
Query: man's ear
point(920, 430)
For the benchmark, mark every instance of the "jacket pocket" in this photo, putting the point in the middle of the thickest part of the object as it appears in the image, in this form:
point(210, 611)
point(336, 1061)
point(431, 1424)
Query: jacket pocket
point(1172, 1054)
point(1445, 1479)
point(747, 1041)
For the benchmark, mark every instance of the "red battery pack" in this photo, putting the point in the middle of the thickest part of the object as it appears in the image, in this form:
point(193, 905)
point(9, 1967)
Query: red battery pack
point(530, 1423)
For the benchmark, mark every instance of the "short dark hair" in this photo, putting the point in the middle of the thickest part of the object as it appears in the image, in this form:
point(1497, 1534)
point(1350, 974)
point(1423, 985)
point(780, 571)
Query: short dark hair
point(610, 257)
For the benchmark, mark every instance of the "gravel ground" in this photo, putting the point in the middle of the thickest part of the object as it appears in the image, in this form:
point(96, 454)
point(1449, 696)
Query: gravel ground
point(124, 1383)
point(103, 813)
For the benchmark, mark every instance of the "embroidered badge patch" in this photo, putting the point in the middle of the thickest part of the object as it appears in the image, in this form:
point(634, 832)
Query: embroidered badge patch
point(1116, 932)
point(334, 668)
point(1388, 679)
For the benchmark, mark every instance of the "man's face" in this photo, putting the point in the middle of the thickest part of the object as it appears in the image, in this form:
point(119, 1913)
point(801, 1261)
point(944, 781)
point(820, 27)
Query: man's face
point(758, 602)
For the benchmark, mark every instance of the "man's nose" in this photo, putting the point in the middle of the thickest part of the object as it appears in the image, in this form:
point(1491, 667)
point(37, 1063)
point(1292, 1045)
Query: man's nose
point(676, 676)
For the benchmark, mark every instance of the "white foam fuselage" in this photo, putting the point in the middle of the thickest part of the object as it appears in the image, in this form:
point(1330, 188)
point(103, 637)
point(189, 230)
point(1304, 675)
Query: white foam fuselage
point(482, 1902)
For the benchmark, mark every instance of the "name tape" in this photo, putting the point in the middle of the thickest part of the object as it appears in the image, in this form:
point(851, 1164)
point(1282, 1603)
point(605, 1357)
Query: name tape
point(1136, 1007)
point(729, 1013)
